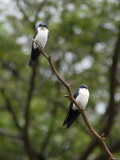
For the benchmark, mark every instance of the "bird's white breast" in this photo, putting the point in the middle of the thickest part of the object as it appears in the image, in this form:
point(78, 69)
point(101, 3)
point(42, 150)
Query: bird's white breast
point(42, 37)
point(82, 98)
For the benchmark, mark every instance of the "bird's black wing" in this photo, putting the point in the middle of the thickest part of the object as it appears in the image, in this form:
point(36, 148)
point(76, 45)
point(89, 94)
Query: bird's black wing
point(48, 36)
point(76, 93)
point(36, 32)
point(35, 52)
point(72, 114)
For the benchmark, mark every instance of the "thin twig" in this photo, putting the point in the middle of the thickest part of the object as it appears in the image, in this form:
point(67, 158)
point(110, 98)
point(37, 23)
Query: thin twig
point(100, 138)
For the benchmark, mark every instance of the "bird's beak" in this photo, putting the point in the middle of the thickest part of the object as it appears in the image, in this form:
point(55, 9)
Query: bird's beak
point(42, 28)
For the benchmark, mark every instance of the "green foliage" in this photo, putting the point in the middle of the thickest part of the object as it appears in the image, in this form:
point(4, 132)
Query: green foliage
point(82, 39)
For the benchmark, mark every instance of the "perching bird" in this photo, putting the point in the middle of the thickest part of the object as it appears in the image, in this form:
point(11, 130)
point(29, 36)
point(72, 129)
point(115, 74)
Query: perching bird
point(41, 35)
point(81, 95)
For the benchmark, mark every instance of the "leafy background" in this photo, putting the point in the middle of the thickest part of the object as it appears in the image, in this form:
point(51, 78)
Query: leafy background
point(85, 47)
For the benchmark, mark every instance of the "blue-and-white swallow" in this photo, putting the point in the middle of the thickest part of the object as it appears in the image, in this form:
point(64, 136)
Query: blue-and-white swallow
point(81, 95)
point(41, 35)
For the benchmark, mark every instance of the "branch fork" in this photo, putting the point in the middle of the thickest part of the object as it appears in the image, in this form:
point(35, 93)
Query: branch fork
point(67, 96)
point(103, 136)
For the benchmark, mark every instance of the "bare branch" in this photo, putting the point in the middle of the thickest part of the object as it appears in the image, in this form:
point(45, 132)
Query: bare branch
point(100, 139)
point(114, 148)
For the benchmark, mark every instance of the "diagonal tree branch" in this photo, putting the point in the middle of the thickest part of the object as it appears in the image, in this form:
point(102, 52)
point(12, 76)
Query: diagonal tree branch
point(114, 148)
point(100, 138)
point(111, 111)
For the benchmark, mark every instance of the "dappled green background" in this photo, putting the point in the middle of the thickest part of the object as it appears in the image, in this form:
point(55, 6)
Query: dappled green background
point(85, 47)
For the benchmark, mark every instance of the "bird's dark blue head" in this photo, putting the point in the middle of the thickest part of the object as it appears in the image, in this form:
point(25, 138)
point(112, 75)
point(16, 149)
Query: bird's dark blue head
point(43, 25)
point(84, 86)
